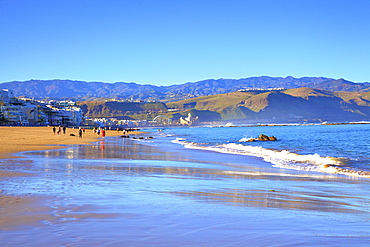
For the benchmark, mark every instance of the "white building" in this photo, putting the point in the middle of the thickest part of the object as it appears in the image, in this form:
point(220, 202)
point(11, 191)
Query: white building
point(6, 95)
point(14, 114)
point(189, 120)
point(74, 114)
point(31, 112)
point(26, 111)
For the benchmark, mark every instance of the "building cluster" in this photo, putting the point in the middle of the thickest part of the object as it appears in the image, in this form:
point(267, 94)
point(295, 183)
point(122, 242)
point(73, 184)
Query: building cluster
point(115, 122)
point(124, 122)
point(261, 89)
point(25, 111)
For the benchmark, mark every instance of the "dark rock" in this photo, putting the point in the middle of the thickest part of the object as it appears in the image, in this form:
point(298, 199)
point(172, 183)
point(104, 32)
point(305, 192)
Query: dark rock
point(272, 138)
point(263, 137)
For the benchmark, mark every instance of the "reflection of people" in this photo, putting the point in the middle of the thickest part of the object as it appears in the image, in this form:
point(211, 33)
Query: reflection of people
point(80, 132)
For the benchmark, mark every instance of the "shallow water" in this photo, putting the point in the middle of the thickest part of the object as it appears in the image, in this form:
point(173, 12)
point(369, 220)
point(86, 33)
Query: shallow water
point(158, 193)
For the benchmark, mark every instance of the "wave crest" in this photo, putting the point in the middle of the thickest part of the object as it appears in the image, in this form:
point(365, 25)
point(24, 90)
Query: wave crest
point(284, 158)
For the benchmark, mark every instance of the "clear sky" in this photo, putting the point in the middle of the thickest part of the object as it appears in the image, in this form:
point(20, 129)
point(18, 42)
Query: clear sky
point(165, 42)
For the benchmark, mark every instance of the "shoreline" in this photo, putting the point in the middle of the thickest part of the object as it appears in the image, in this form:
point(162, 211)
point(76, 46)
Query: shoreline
point(281, 124)
point(14, 140)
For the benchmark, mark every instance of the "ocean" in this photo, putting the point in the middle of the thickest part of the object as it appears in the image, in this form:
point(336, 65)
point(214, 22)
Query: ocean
point(197, 186)
point(339, 149)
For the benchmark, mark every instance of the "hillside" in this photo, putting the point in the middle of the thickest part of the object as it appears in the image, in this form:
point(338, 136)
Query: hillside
point(302, 104)
point(80, 90)
point(111, 109)
point(339, 85)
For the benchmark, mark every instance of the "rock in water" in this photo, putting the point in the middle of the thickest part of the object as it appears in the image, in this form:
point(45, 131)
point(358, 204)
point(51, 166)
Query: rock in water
point(263, 137)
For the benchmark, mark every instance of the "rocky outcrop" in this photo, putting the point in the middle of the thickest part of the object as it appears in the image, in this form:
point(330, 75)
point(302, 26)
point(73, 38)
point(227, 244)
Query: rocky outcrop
point(263, 137)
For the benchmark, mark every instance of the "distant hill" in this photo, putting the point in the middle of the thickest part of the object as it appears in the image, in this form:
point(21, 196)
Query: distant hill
point(114, 109)
point(291, 105)
point(80, 90)
point(339, 85)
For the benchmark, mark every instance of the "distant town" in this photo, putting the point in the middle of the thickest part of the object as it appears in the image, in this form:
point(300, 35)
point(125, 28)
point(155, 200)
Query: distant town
point(26, 111)
point(22, 111)
point(249, 89)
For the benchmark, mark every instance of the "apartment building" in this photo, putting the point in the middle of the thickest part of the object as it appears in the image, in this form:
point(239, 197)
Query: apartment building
point(25, 111)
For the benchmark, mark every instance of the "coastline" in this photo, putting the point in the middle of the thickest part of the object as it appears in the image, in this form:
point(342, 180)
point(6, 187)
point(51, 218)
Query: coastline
point(152, 192)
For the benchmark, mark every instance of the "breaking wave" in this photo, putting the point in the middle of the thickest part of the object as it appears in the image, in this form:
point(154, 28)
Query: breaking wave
point(284, 158)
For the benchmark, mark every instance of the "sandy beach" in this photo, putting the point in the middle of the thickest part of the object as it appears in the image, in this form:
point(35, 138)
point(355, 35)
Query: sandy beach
point(20, 139)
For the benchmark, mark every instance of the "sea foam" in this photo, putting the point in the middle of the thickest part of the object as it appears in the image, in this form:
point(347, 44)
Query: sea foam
point(283, 158)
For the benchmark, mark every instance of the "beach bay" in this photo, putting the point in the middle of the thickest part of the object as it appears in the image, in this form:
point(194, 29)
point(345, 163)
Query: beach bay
point(158, 192)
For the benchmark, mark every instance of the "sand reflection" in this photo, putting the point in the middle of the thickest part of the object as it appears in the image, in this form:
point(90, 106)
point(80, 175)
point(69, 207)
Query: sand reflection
point(273, 199)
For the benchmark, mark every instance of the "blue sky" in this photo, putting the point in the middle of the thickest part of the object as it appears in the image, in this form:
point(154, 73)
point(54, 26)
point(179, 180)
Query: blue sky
point(165, 42)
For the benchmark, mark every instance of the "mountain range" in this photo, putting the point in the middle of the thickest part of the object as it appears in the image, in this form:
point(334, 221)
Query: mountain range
point(81, 90)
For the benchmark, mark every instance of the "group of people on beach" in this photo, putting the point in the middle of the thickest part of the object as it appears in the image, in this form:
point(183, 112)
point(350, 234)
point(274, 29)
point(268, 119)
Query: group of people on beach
point(127, 130)
point(60, 129)
point(98, 131)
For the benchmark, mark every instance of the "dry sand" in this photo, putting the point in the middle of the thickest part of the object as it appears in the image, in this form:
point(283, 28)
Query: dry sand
point(19, 139)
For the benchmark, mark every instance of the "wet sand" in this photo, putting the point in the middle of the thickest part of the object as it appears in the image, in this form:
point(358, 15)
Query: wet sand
point(14, 140)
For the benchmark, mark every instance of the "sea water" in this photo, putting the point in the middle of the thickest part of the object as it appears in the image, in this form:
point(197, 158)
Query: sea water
point(340, 149)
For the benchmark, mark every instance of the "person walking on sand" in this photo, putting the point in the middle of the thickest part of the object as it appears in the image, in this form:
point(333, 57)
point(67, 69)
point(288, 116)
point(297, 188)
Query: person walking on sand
point(54, 130)
point(64, 129)
point(80, 132)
